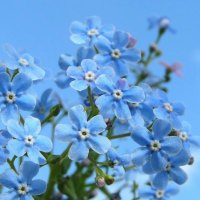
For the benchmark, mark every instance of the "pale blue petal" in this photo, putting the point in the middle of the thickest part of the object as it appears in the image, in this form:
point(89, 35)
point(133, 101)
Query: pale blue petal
point(32, 126)
point(140, 156)
point(65, 61)
point(93, 22)
point(26, 102)
point(79, 85)
point(161, 113)
point(121, 68)
point(161, 180)
point(43, 143)
point(120, 39)
point(89, 65)
point(17, 147)
point(36, 156)
point(62, 80)
point(9, 179)
point(132, 55)
point(103, 44)
point(103, 59)
point(121, 110)
point(104, 84)
point(15, 129)
point(178, 108)
point(158, 162)
point(178, 175)
point(75, 72)
point(5, 80)
point(38, 187)
point(182, 158)
point(79, 39)
point(104, 102)
point(78, 27)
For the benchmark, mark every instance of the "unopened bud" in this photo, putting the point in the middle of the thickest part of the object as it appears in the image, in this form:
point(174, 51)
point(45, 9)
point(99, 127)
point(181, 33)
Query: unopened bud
point(109, 179)
point(100, 181)
point(191, 160)
point(153, 47)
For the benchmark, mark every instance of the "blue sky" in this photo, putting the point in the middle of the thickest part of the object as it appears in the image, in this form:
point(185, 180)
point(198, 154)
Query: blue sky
point(42, 28)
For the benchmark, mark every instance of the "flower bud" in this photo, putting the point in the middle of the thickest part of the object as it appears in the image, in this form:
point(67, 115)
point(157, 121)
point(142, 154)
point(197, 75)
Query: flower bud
point(109, 179)
point(100, 181)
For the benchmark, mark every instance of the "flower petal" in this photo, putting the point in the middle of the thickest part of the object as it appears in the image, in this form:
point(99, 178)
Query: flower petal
point(17, 147)
point(36, 156)
point(104, 103)
point(178, 108)
point(75, 72)
point(32, 126)
point(158, 162)
point(9, 179)
point(132, 55)
point(120, 39)
point(26, 102)
point(43, 143)
point(15, 129)
point(178, 175)
point(122, 110)
point(79, 85)
point(78, 27)
point(160, 181)
point(5, 80)
point(89, 65)
point(38, 187)
point(140, 156)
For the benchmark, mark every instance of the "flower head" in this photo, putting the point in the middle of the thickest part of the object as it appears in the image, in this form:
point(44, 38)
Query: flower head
point(83, 134)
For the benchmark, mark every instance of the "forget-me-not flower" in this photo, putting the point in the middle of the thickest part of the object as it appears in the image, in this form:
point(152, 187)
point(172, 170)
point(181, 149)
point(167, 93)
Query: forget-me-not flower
point(155, 145)
point(117, 96)
point(26, 139)
point(85, 75)
point(83, 134)
point(22, 186)
point(116, 53)
point(89, 32)
point(13, 96)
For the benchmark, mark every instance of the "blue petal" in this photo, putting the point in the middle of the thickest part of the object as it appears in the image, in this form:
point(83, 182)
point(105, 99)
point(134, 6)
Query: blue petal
point(32, 126)
point(9, 179)
point(21, 83)
point(93, 22)
point(65, 133)
point(147, 112)
point(78, 151)
point(140, 156)
point(5, 80)
point(178, 108)
point(121, 67)
point(171, 190)
point(26, 102)
point(121, 110)
point(132, 55)
point(104, 102)
point(182, 158)
point(147, 168)
point(9, 112)
point(78, 116)
point(79, 39)
point(36, 156)
point(120, 39)
point(160, 181)
point(84, 53)
point(178, 175)
point(99, 144)
point(43, 143)
point(79, 85)
point(141, 135)
point(161, 113)
point(65, 61)
point(161, 128)
point(96, 125)
point(172, 145)
point(158, 162)
point(102, 59)
point(89, 65)
point(28, 170)
point(78, 27)
point(17, 147)
point(15, 129)
point(103, 44)
point(176, 123)
point(38, 187)
point(4, 153)
point(62, 80)
point(75, 72)
point(108, 31)
point(119, 171)
point(134, 95)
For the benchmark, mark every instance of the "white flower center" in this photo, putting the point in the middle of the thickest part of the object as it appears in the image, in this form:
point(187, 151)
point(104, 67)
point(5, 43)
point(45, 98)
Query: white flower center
point(10, 97)
point(84, 133)
point(118, 94)
point(23, 62)
point(93, 32)
point(183, 136)
point(116, 53)
point(168, 167)
point(164, 23)
point(159, 194)
point(168, 107)
point(23, 189)
point(155, 145)
point(29, 140)
point(89, 76)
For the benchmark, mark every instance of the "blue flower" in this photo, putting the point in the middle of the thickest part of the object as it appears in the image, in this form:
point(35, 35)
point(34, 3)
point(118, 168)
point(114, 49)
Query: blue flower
point(65, 60)
point(13, 97)
point(155, 145)
point(153, 193)
point(117, 96)
point(2, 67)
point(116, 53)
point(86, 74)
point(118, 162)
point(22, 186)
point(25, 63)
point(4, 153)
point(27, 140)
point(83, 134)
point(89, 32)
point(172, 171)
point(44, 104)
point(163, 23)
point(169, 111)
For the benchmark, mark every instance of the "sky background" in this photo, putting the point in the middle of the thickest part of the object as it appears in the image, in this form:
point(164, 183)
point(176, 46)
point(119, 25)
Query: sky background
point(42, 28)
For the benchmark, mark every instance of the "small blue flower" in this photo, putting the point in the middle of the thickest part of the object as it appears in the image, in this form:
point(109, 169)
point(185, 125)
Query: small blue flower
point(155, 145)
point(83, 134)
point(65, 60)
point(27, 140)
point(22, 186)
point(163, 23)
point(85, 75)
point(117, 96)
point(172, 171)
point(169, 111)
point(13, 97)
point(116, 53)
point(153, 193)
point(25, 63)
point(44, 104)
point(89, 32)
point(4, 153)
point(118, 162)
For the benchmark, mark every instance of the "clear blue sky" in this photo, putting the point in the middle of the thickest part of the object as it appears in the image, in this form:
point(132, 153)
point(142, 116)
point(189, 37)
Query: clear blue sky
point(41, 27)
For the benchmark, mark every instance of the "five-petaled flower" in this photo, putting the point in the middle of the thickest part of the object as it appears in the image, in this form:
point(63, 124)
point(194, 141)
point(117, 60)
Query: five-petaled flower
point(83, 134)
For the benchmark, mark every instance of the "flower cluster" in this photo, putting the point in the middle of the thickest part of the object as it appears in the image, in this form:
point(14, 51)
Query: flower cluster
point(118, 99)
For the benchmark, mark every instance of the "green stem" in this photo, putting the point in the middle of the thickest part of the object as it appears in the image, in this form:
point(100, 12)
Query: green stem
point(119, 136)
